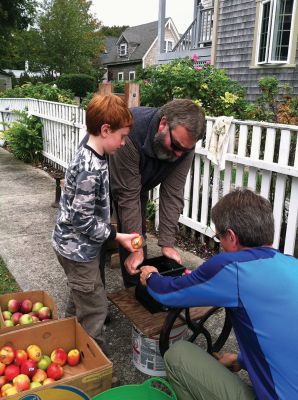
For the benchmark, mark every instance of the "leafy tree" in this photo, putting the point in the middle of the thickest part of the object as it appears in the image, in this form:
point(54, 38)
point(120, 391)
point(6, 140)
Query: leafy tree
point(67, 38)
point(15, 15)
point(113, 30)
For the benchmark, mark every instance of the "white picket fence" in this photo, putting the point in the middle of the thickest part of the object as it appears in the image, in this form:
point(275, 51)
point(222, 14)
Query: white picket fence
point(262, 156)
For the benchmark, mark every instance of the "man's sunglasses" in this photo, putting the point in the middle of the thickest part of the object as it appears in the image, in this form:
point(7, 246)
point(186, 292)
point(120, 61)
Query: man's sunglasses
point(218, 235)
point(176, 146)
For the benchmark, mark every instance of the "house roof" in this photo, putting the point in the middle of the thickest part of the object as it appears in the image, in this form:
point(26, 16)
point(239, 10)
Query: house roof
point(109, 43)
point(139, 38)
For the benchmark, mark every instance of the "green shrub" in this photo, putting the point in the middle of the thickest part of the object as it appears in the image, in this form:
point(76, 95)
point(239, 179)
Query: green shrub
point(209, 87)
point(86, 99)
point(79, 84)
point(40, 91)
point(24, 138)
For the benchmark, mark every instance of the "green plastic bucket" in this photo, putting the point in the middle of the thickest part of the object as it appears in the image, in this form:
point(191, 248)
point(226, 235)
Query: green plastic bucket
point(145, 391)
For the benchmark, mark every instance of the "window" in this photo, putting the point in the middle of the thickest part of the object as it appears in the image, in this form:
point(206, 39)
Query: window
point(120, 76)
point(168, 45)
point(131, 76)
point(275, 29)
point(123, 49)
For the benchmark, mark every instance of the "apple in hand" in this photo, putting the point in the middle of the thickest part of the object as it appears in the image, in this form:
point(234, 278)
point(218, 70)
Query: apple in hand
point(73, 357)
point(28, 367)
point(55, 371)
point(11, 372)
point(44, 313)
point(44, 362)
point(20, 356)
point(26, 319)
point(137, 242)
point(37, 306)
point(13, 305)
point(26, 306)
point(6, 355)
point(6, 315)
point(16, 317)
point(59, 356)
point(21, 382)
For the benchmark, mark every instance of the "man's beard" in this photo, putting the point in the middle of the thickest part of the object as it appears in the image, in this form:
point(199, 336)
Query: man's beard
point(159, 150)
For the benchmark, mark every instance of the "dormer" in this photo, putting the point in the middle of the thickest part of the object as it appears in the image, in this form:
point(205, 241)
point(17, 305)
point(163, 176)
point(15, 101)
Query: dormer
point(122, 47)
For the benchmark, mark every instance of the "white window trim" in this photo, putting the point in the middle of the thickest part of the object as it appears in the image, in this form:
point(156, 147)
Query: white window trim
point(123, 49)
point(166, 45)
point(134, 75)
point(120, 76)
point(268, 58)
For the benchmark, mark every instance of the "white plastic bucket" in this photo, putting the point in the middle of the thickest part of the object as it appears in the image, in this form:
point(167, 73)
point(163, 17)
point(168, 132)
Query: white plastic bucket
point(145, 351)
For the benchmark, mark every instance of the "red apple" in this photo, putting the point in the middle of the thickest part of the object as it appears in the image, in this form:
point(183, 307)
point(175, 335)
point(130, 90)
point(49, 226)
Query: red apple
point(32, 313)
point(13, 305)
point(6, 315)
point(20, 356)
point(44, 362)
point(55, 371)
point(26, 319)
point(8, 323)
point(2, 381)
point(21, 382)
point(39, 376)
point(28, 367)
point(59, 356)
point(16, 317)
point(44, 313)
point(37, 306)
point(48, 381)
point(34, 352)
point(2, 368)
point(26, 306)
point(73, 357)
point(11, 372)
point(6, 355)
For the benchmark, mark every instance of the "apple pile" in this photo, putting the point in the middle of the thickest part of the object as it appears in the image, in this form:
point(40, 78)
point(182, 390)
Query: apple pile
point(27, 369)
point(25, 312)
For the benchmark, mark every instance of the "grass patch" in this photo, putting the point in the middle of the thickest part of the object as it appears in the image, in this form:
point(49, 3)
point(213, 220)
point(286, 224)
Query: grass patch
point(7, 281)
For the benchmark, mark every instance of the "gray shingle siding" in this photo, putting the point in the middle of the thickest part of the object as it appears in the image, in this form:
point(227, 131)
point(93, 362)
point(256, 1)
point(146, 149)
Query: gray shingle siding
point(235, 34)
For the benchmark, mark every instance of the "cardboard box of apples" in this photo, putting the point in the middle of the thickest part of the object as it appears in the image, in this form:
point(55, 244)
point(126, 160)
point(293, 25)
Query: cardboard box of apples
point(52, 358)
point(22, 308)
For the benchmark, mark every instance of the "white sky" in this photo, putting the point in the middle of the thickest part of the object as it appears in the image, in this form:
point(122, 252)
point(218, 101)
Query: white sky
point(137, 12)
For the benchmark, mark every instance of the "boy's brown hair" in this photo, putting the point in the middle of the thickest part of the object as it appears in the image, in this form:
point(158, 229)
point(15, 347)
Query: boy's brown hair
point(109, 109)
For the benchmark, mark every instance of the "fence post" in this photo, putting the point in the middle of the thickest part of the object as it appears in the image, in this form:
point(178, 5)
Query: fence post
point(105, 88)
point(132, 94)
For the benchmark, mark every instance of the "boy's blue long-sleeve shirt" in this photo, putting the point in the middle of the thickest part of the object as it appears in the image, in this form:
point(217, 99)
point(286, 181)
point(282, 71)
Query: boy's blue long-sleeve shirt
point(259, 287)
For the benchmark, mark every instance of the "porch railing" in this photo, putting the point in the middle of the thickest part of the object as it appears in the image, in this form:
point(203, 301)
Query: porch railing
point(198, 34)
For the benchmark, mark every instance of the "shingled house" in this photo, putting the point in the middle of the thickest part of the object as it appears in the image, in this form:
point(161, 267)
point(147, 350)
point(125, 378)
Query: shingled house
point(249, 39)
point(138, 46)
